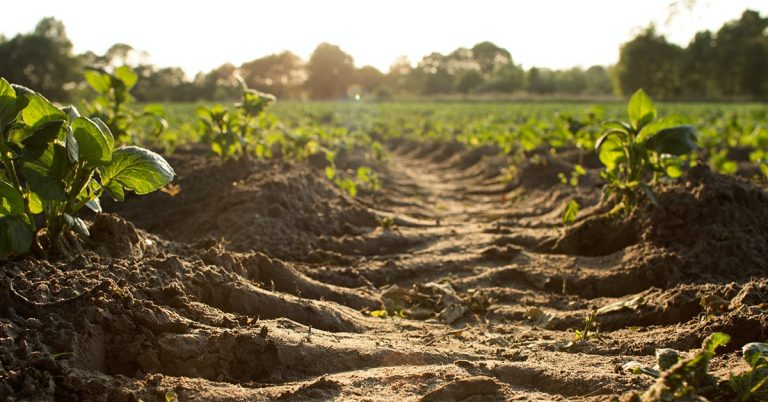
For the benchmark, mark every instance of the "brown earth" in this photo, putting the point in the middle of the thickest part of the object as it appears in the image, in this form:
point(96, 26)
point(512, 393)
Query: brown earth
point(256, 282)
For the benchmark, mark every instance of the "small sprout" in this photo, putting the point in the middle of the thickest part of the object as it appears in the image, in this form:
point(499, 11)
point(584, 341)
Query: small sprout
point(571, 212)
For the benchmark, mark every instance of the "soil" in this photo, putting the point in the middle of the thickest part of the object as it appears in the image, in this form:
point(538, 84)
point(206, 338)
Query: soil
point(262, 281)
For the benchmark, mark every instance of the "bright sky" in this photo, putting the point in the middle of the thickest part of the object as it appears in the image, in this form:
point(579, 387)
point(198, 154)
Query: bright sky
point(198, 35)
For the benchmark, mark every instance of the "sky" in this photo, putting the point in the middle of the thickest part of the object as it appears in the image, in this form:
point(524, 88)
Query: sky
point(201, 35)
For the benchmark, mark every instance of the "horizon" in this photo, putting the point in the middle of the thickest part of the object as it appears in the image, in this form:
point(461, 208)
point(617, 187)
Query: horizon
point(357, 33)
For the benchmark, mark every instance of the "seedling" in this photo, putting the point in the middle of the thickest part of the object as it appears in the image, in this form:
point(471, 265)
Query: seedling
point(590, 328)
point(571, 212)
point(56, 162)
point(638, 152)
point(685, 378)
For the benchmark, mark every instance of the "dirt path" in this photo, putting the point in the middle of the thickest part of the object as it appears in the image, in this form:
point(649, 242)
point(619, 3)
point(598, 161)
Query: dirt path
point(268, 295)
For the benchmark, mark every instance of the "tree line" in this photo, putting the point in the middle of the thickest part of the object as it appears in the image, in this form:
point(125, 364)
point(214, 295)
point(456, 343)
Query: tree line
point(731, 63)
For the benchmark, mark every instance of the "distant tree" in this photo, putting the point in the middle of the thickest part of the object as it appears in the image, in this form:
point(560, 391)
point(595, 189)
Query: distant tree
point(218, 84)
point(540, 81)
point(161, 85)
point(432, 74)
point(468, 81)
point(41, 60)
point(329, 72)
point(507, 79)
point(490, 57)
point(698, 63)
point(650, 62)
point(598, 81)
point(368, 78)
point(279, 74)
point(741, 56)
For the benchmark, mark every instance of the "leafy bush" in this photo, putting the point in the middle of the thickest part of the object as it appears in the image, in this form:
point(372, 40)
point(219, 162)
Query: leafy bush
point(55, 162)
point(638, 152)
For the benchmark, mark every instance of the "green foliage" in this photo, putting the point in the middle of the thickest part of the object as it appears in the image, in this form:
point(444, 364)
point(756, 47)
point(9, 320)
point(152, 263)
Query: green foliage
point(590, 329)
point(55, 162)
point(571, 212)
point(637, 153)
point(113, 106)
point(230, 132)
point(752, 385)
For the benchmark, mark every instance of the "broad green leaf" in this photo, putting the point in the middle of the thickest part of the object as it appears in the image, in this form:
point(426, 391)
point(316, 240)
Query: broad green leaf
point(641, 109)
point(93, 145)
point(8, 108)
point(673, 167)
point(660, 124)
point(127, 76)
point(11, 200)
point(137, 169)
point(45, 173)
point(571, 211)
point(76, 224)
point(714, 341)
point(43, 136)
point(115, 190)
point(100, 82)
point(611, 152)
point(40, 111)
point(680, 140)
point(15, 235)
point(35, 203)
point(106, 131)
point(73, 149)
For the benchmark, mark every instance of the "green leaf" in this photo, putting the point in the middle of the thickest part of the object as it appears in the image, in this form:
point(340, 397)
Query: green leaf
point(40, 111)
point(76, 224)
point(680, 140)
point(106, 131)
point(660, 124)
point(137, 169)
point(70, 143)
point(35, 203)
point(45, 173)
point(43, 136)
point(115, 190)
point(99, 81)
point(15, 235)
point(641, 109)
point(611, 152)
point(673, 167)
point(127, 76)
point(93, 145)
point(714, 341)
point(571, 211)
point(8, 107)
point(71, 112)
point(11, 200)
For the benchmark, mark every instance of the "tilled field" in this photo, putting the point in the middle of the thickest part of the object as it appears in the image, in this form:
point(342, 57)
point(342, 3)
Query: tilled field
point(258, 280)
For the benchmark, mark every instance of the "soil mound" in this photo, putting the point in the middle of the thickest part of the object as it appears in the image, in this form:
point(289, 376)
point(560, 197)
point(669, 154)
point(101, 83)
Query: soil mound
point(279, 208)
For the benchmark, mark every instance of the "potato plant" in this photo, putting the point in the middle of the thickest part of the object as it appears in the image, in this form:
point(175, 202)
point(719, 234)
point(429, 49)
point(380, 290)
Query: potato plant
point(113, 107)
point(55, 162)
point(230, 132)
point(636, 153)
